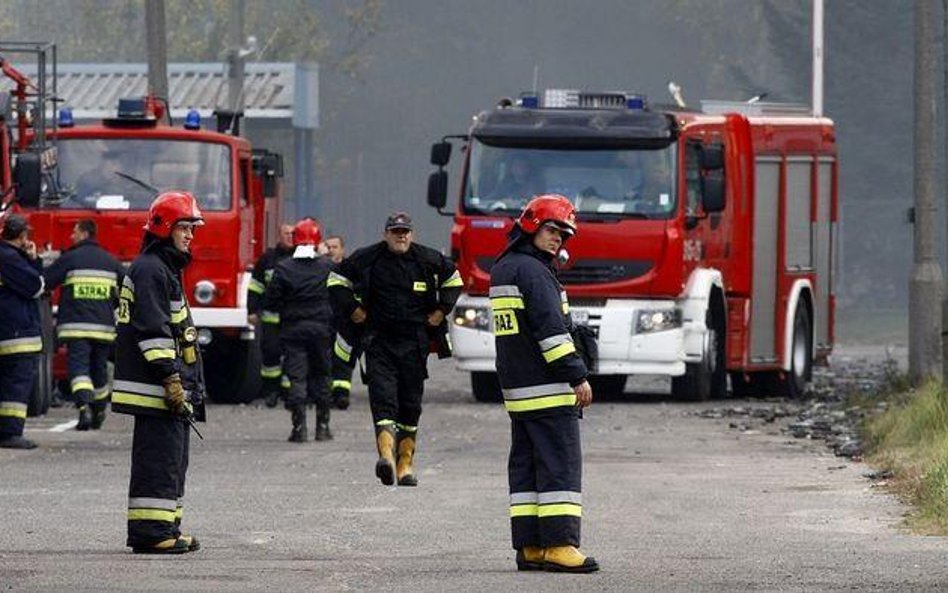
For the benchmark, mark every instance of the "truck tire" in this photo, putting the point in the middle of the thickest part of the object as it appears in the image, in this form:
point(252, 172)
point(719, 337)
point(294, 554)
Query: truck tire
point(486, 387)
point(706, 379)
point(43, 382)
point(792, 383)
point(232, 369)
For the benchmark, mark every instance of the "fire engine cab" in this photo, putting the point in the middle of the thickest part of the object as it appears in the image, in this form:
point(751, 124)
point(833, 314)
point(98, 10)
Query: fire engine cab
point(705, 244)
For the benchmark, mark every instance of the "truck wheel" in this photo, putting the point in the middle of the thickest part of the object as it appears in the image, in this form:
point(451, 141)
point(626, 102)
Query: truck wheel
point(706, 379)
point(43, 380)
point(232, 369)
point(486, 387)
point(792, 383)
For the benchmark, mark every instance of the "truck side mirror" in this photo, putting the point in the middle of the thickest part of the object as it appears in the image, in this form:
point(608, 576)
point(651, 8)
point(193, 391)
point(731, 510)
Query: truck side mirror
point(712, 157)
point(712, 191)
point(438, 189)
point(28, 177)
point(440, 153)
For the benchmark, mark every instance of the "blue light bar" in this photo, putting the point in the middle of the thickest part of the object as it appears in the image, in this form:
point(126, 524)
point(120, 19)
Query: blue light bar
point(65, 118)
point(635, 101)
point(530, 101)
point(192, 121)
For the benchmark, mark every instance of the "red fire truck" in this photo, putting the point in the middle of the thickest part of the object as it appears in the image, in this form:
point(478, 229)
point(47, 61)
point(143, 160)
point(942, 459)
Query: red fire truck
point(110, 171)
point(706, 238)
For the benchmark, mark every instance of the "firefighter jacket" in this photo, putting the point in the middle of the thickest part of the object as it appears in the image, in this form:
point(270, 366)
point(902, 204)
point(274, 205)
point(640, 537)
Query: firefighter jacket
point(397, 291)
point(537, 362)
point(297, 292)
point(156, 335)
point(90, 279)
point(260, 278)
point(20, 285)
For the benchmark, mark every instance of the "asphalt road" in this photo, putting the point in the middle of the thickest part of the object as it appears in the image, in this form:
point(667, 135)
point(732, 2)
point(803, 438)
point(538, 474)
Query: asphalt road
point(672, 502)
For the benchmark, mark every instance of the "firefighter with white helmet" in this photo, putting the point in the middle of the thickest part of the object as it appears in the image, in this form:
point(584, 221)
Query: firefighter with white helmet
point(158, 375)
point(297, 292)
point(543, 379)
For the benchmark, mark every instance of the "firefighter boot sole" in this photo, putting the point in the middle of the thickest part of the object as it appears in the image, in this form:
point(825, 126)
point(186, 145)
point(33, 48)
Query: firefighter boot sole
point(385, 472)
point(529, 565)
point(169, 546)
point(408, 480)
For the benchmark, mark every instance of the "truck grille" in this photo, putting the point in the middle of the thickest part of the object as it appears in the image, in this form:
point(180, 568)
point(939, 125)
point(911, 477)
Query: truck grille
point(592, 271)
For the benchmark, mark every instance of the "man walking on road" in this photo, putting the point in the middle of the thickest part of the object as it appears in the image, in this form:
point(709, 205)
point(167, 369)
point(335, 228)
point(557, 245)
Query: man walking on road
point(544, 383)
point(159, 375)
point(20, 333)
point(400, 291)
point(86, 319)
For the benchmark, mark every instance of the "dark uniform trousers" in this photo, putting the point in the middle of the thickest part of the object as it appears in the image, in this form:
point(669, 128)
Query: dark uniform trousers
point(87, 363)
point(156, 488)
point(271, 352)
point(307, 366)
point(396, 368)
point(545, 476)
point(17, 375)
point(346, 352)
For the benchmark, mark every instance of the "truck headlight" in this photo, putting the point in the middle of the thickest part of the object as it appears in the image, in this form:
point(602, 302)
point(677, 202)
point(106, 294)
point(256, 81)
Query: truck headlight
point(657, 320)
point(473, 318)
point(204, 292)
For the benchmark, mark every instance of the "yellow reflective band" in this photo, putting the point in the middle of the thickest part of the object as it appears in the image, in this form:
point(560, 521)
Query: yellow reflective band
point(419, 286)
point(142, 401)
point(12, 413)
point(126, 293)
point(560, 510)
point(336, 279)
point(453, 281)
point(80, 385)
point(271, 373)
point(100, 395)
point(156, 353)
point(256, 286)
point(342, 384)
point(269, 317)
point(178, 513)
point(90, 280)
point(385, 423)
point(345, 356)
point(179, 316)
point(285, 382)
point(406, 427)
point(559, 351)
point(87, 334)
point(151, 515)
point(540, 403)
point(524, 510)
point(36, 346)
point(506, 303)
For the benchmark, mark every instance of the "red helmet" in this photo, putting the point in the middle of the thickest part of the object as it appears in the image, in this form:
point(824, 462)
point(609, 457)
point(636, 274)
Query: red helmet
point(170, 208)
point(306, 232)
point(548, 208)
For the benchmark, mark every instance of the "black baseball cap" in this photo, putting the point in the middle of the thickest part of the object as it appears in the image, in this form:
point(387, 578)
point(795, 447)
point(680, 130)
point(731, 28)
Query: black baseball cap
point(398, 220)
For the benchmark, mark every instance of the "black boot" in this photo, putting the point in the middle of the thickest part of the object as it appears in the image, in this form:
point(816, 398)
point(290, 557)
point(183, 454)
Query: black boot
point(16, 442)
point(299, 433)
point(322, 425)
point(98, 415)
point(85, 418)
point(272, 397)
point(340, 398)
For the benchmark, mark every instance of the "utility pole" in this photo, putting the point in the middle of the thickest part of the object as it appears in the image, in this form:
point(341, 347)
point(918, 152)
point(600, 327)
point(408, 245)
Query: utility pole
point(925, 323)
point(235, 58)
point(156, 42)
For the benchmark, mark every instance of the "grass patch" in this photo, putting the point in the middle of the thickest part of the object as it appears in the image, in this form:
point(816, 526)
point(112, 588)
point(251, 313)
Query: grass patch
point(910, 439)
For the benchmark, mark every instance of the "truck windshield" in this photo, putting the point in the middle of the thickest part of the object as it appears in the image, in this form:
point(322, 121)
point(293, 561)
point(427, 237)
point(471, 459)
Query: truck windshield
point(101, 173)
point(610, 183)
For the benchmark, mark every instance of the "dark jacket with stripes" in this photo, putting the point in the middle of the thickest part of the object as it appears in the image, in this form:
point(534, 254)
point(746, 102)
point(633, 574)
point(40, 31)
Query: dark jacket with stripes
point(261, 275)
point(154, 329)
point(20, 285)
point(429, 282)
point(90, 278)
point(298, 294)
point(537, 362)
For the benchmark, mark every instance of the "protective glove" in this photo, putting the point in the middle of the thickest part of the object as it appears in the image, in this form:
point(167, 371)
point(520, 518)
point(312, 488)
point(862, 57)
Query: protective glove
point(175, 396)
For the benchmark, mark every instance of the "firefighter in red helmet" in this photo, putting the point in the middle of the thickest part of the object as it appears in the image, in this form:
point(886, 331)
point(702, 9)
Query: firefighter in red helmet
point(158, 375)
point(543, 379)
point(298, 294)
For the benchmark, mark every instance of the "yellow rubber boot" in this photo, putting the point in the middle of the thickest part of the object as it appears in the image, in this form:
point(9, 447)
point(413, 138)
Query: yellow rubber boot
point(530, 558)
point(406, 453)
point(385, 466)
point(568, 559)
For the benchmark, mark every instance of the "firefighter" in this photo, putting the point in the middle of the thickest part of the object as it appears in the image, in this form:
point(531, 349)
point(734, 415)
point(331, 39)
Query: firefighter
point(159, 375)
point(298, 294)
point(544, 384)
point(20, 332)
point(400, 291)
point(271, 370)
point(86, 319)
point(348, 343)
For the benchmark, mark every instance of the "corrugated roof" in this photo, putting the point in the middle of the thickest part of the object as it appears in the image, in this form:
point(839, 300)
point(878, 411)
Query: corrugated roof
point(93, 90)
